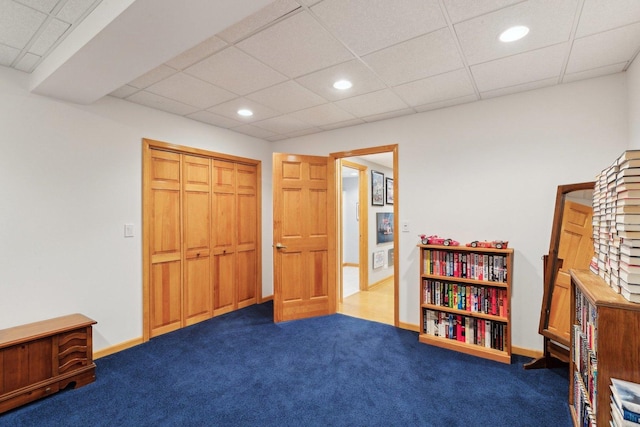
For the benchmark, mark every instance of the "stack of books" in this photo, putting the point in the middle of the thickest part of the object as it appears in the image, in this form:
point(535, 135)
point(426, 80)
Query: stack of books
point(625, 403)
point(616, 205)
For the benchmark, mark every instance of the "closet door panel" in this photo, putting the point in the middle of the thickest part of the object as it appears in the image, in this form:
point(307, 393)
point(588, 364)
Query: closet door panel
point(165, 243)
point(197, 239)
point(246, 277)
point(223, 283)
point(166, 297)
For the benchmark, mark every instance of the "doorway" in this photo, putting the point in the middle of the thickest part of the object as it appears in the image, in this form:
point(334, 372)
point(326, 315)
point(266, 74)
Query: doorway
point(363, 291)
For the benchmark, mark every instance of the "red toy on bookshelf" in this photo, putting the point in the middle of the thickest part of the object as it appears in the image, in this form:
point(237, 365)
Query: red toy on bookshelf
point(435, 240)
point(497, 244)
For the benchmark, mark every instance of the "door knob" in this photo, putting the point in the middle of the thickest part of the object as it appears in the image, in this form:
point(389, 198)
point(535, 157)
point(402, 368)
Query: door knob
point(280, 246)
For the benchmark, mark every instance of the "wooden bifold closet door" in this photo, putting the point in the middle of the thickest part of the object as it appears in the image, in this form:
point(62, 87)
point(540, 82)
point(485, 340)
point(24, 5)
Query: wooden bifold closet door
point(201, 237)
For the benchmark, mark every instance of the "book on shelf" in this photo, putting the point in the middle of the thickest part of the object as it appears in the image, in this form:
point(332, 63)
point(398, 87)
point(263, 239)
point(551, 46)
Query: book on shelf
point(632, 278)
point(629, 250)
point(629, 268)
point(630, 260)
point(626, 186)
point(628, 172)
point(633, 288)
point(628, 179)
point(626, 397)
point(628, 164)
point(627, 155)
point(629, 234)
point(617, 418)
point(627, 201)
point(628, 194)
point(629, 296)
point(627, 227)
point(627, 218)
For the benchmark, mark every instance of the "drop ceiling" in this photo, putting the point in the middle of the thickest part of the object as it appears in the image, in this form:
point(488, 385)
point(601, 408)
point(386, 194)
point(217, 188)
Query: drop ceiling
point(204, 60)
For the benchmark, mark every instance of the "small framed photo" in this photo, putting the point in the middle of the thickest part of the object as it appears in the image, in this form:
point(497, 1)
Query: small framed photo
point(389, 191)
point(377, 188)
point(378, 259)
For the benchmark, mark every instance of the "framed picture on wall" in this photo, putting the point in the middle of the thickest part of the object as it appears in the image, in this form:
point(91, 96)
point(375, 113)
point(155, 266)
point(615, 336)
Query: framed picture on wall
point(378, 259)
point(377, 188)
point(384, 227)
point(389, 190)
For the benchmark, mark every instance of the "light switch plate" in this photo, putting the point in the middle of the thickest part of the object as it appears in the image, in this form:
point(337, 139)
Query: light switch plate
point(405, 226)
point(128, 230)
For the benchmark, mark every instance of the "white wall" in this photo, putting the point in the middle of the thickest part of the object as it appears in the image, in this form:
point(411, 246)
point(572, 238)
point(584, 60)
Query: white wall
point(70, 178)
point(350, 228)
point(633, 84)
point(489, 170)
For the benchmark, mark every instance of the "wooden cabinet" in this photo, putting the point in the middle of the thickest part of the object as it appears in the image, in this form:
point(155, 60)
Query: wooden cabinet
point(465, 296)
point(41, 358)
point(605, 341)
point(201, 235)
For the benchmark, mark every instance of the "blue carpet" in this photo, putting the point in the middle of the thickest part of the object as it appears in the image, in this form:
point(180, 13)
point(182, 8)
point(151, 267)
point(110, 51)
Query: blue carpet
point(241, 369)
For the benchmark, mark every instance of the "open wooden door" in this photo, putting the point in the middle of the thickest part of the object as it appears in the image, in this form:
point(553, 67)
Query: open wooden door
point(304, 234)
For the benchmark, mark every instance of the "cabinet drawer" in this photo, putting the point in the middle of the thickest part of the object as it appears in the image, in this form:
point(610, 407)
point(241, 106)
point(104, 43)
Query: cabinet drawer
point(73, 350)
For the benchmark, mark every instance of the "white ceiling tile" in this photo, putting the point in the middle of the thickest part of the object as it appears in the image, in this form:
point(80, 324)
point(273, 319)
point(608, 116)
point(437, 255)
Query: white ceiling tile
point(339, 125)
point(73, 10)
point(518, 69)
point(282, 124)
point(287, 97)
point(447, 103)
point(389, 115)
point(276, 138)
point(45, 6)
point(236, 71)
point(363, 79)
point(260, 19)
point(54, 29)
point(595, 72)
point(610, 47)
point(230, 109)
point(197, 53)
point(153, 76)
point(461, 10)
point(295, 46)
point(308, 2)
point(254, 131)
point(28, 62)
point(603, 15)
point(369, 25)
point(437, 88)
point(213, 119)
point(124, 91)
point(425, 56)
point(550, 22)
point(18, 23)
point(161, 103)
point(8, 55)
point(382, 101)
point(321, 115)
point(519, 88)
point(191, 91)
point(302, 132)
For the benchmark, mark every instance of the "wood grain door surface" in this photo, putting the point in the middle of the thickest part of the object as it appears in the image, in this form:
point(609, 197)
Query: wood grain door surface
point(303, 285)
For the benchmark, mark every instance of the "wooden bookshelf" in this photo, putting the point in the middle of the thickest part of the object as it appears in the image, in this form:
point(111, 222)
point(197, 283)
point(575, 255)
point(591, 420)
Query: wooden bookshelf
point(466, 289)
point(606, 331)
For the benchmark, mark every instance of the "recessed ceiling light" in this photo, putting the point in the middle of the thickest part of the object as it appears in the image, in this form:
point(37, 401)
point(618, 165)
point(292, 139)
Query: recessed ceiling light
point(342, 84)
point(245, 112)
point(514, 33)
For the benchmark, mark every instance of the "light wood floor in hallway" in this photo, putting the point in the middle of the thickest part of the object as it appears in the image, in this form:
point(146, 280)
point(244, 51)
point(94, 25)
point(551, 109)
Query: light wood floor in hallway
point(376, 304)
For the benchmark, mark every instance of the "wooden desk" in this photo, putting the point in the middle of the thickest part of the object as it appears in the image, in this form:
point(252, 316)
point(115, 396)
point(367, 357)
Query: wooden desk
point(41, 358)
